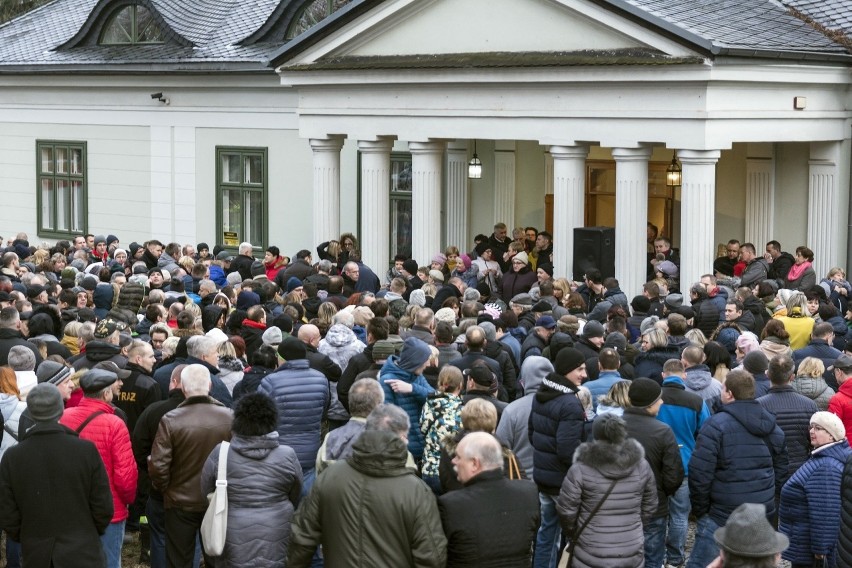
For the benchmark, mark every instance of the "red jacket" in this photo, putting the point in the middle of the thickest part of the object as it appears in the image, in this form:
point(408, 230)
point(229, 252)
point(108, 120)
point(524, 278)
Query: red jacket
point(273, 267)
point(110, 435)
point(841, 404)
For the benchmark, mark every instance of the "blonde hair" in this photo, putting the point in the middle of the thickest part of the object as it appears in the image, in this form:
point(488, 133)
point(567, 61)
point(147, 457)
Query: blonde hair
point(479, 415)
point(811, 367)
point(449, 379)
point(617, 395)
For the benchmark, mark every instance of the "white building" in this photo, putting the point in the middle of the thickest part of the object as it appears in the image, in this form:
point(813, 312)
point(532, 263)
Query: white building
point(365, 122)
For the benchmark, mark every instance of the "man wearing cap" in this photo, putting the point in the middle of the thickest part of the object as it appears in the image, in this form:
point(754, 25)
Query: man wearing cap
point(841, 403)
point(661, 453)
point(104, 347)
point(52, 461)
point(475, 342)
point(539, 338)
point(94, 419)
point(185, 437)
point(747, 539)
point(756, 364)
point(481, 383)
point(556, 428)
point(303, 397)
point(589, 343)
point(721, 477)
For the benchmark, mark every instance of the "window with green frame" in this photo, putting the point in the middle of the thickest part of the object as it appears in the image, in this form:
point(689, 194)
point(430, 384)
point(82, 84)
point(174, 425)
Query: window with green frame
point(61, 191)
point(313, 13)
point(130, 25)
point(241, 195)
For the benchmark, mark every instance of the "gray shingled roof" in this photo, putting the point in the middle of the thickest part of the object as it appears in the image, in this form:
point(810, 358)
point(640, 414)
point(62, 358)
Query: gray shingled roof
point(742, 25)
point(833, 14)
point(214, 27)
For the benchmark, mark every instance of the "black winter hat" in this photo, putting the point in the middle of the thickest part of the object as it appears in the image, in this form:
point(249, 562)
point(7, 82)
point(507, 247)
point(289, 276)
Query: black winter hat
point(644, 392)
point(567, 360)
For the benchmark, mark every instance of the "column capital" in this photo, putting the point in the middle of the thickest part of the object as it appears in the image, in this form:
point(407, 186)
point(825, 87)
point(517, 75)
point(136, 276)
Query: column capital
point(330, 144)
point(378, 146)
point(427, 147)
point(640, 154)
point(698, 157)
point(568, 152)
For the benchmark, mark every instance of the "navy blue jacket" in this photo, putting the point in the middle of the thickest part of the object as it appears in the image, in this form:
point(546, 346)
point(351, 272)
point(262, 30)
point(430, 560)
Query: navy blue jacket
point(793, 413)
point(650, 363)
point(685, 413)
point(302, 396)
point(555, 430)
point(739, 458)
point(810, 506)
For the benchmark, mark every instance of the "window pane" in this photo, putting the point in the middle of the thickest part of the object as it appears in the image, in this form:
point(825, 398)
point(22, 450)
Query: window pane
point(338, 4)
point(254, 217)
point(401, 226)
point(76, 155)
point(232, 212)
point(231, 168)
point(78, 207)
point(46, 203)
point(47, 160)
point(401, 175)
point(63, 203)
point(254, 169)
point(62, 160)
point(119, 29)
point(147, 30)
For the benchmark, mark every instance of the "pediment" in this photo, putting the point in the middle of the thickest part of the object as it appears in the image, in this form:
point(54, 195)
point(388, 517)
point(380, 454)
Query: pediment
point(446, 27)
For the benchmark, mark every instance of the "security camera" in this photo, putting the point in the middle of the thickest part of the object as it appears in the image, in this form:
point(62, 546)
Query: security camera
point(158, 96)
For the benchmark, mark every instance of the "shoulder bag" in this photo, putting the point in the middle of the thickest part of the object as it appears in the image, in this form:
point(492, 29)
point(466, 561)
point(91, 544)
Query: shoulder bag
point(568, 553)
point(214, 526)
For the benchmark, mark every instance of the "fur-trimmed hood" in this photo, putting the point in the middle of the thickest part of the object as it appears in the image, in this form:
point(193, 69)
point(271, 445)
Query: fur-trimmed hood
point(613, 461)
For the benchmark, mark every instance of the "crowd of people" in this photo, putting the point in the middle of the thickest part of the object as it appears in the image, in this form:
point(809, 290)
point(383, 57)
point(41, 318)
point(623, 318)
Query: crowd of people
point(469, 411)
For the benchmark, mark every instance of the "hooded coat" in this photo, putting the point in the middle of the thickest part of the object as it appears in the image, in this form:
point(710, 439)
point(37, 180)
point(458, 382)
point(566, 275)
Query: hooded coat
point(815, 388)
point(370, 510)
point(11, 408)
point(264, 484)
point(614, 537)
point(340, 345)
point(701, 382)
point(739, 458)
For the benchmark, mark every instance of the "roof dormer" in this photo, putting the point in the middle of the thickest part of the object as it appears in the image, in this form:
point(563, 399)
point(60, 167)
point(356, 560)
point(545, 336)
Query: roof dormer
point(123, 23)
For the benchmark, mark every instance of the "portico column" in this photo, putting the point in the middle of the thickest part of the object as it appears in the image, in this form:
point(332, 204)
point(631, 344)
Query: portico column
point(326, 187)
point(826, 211)
point(426, 165)
point(569, 181)
point(698, 214)
point(631, 217)
point(375, 203)
point(456, 208)
point(760, 195)
point(504, 183)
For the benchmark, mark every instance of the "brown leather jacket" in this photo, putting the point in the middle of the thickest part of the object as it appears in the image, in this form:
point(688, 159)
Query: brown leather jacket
point(185, 438)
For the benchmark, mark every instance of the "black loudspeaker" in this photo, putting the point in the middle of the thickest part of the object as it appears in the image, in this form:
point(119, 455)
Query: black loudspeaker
point(594, 247)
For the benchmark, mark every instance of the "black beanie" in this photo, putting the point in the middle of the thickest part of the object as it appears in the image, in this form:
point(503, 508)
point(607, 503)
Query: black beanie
point(567, 360)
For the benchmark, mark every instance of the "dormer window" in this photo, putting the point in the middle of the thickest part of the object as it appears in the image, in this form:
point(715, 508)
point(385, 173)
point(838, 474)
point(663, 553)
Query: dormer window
point(131, 25)
point(312, 14)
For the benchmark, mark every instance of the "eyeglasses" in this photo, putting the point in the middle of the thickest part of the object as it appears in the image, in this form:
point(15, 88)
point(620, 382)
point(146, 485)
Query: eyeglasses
point(817, 428)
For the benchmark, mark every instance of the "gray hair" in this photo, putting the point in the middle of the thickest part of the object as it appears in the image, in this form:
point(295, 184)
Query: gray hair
point(200, 345)
point(364, 396)
point(195, 380)
point(485, 448)
point(245, 247)
point(324, 265)
point(21, 358)
point(388, 418)
point(344, 318)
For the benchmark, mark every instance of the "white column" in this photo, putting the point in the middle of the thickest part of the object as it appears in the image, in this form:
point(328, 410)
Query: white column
point(569, 183)
point(698, 217)
point(375, 203)
point(456, 206)
point(326, 187)
point(825, 210)
point(426, 162)
point(760, 201)
point(631, 217)
point(504, 183)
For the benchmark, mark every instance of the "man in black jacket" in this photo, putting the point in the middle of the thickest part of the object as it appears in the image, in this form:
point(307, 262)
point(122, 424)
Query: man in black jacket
point(467, 514)
point(662, 454)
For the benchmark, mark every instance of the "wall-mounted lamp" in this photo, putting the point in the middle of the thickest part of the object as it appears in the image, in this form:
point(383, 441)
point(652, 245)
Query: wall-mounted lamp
point(161, 98)
point(674, 175)
point(474, 166)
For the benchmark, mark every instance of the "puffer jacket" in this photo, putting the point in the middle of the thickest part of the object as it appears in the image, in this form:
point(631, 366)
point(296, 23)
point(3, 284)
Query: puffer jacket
point(185, 438)
point(514, 283)
point(555, 430)
point(512, 430)
point(11, 408)
point(340, 345)
point(441, 417)
point(650, 363)
point(700, 381)
point(706, 315)
point(264, 484)
point(412, 403)
point(96, 352)
point(302, 396)
point(841, 404)
point(370, 511)
point(792, 414)
point(109, 434)
point(614, 537)
point(816, 389)
point(844, 542)
point(809, 511)
point(739, 458)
